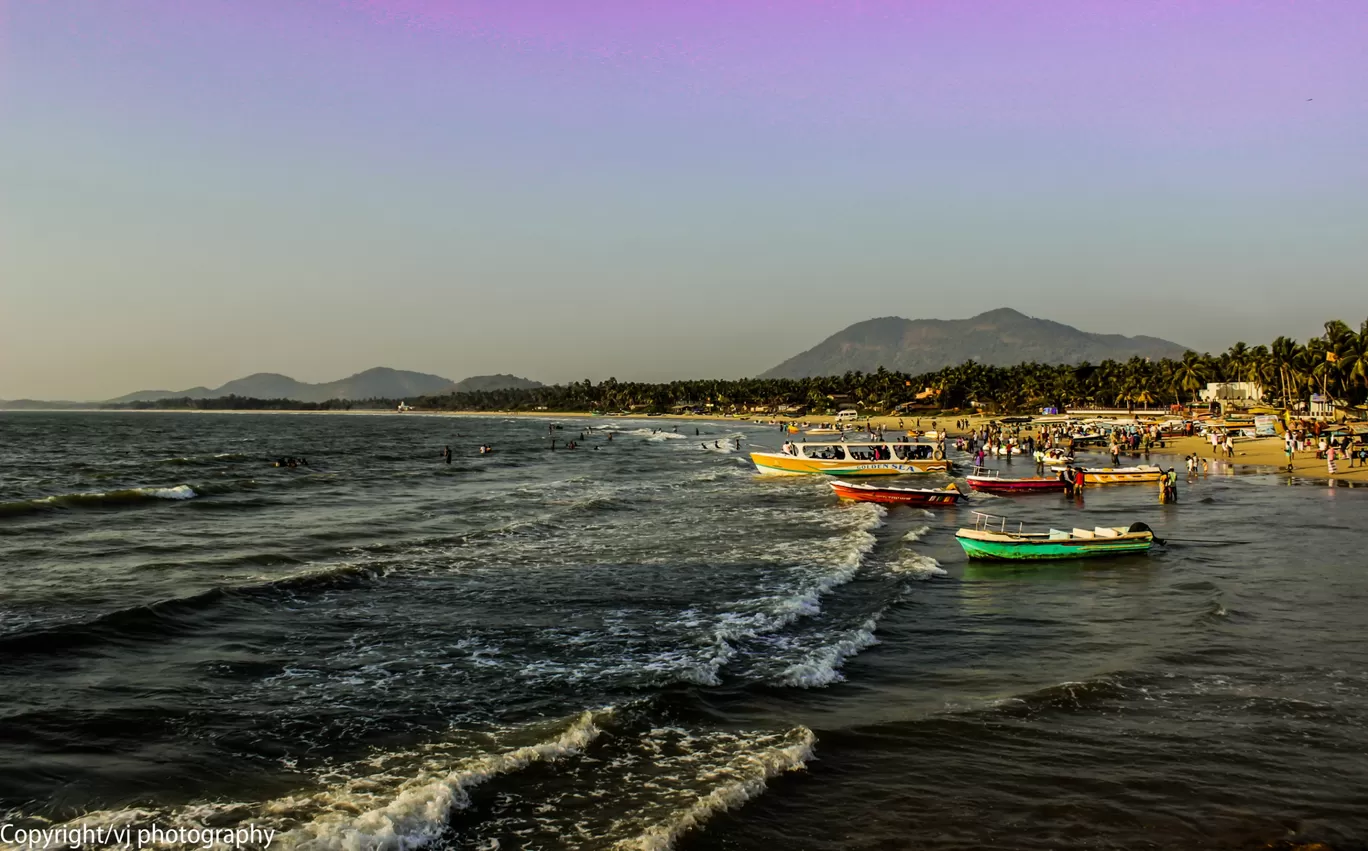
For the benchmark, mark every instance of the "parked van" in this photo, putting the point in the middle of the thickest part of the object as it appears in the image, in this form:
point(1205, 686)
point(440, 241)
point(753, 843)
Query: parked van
point(849, 415)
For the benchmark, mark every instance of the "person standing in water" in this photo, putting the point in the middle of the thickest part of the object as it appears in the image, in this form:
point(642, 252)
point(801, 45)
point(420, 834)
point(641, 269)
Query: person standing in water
point(446, 454)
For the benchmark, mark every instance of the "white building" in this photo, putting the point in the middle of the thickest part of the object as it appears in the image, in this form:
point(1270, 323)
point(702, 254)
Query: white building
point(1231, 391)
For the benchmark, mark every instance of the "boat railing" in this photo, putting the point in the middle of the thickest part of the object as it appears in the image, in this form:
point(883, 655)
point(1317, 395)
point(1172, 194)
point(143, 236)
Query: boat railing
point(985, 473)
point(984, 522)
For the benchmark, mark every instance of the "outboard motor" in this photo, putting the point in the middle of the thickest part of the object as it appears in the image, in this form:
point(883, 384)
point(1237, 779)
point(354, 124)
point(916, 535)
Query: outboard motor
point(1141, 527)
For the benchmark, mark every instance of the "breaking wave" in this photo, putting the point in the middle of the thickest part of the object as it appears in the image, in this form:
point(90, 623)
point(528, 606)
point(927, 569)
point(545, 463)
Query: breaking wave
point(374, 813)
point(393, 800)
point(822, 667)
point(744, 776)
point(657, 435)
point(916, 534)
point(97, 499)
point(917, 566)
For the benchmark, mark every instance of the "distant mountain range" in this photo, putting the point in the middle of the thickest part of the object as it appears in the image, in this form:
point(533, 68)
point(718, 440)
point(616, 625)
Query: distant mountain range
point(378, 383)
point(1000, 337)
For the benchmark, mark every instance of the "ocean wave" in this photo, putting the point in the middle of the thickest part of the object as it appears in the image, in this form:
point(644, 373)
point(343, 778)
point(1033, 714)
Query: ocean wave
point(220, 458)
point(98, 499)
point(656, 435)
point(822, 667)
point(374, 813)
point(916, 534)
point(1068, 696)
point(828, 569)
point(154, 621)
point(916, 565)
point(392, 800)
point(740, 778)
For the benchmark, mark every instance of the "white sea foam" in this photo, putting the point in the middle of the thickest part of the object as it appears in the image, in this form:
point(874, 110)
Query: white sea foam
point(396, 800)
point(916, 534)
point(822, 667)
point(916, 565)
point(177, 492)
point(416, 812)
point(657, 435)
point(742, 777)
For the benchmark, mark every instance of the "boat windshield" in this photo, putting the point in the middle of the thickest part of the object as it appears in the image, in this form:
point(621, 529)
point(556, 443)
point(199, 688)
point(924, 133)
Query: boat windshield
point(825, 453)
point(912, 451)
point(871, 453)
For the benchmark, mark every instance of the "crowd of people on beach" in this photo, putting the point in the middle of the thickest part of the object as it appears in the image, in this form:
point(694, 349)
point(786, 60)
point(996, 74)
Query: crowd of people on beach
point(1307, 437)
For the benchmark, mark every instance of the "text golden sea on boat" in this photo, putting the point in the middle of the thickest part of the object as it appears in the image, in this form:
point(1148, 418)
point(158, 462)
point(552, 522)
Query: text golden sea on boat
point(853, 459)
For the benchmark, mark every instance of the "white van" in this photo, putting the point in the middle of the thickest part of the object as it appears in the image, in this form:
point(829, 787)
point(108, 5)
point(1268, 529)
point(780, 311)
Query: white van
point(849, 415)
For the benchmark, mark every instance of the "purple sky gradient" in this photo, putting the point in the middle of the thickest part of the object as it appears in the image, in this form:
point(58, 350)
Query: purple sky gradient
point(440, 180)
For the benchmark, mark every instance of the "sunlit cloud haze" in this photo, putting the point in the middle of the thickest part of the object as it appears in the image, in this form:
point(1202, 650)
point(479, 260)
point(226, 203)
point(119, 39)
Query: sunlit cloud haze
point(190, 192)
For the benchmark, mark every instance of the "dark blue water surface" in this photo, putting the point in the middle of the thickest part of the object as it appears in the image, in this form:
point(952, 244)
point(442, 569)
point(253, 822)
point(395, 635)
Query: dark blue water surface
point(640, 644)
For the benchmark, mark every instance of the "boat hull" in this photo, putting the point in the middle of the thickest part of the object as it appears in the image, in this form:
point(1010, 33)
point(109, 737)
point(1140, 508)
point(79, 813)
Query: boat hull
point(897, 496)
point(1121, 476)
point(999, 550)
point(779, 464)
point(1016, 486)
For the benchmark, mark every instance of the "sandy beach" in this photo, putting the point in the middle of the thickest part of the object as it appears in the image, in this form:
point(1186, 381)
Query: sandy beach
point(1261, 454)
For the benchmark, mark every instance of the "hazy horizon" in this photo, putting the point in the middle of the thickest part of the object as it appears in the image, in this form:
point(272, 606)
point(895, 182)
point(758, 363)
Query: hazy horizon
point(653, 191)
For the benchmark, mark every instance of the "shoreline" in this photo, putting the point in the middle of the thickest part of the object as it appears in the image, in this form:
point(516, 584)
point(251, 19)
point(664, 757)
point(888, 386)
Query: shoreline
point(1260, 455)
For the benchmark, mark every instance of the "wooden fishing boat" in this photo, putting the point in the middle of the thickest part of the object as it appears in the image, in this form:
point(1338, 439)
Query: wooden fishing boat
point(990, 539)
point(1122, 475)
point(948, 495)
point(852, 459)
point(991, 481)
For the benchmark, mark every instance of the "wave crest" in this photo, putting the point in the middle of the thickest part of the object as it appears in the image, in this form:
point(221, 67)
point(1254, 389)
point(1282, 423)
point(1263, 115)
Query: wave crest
point(97, 499)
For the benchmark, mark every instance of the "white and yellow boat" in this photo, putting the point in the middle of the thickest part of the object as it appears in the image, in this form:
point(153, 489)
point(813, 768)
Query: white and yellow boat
point(1121, 475)
point(852, 459)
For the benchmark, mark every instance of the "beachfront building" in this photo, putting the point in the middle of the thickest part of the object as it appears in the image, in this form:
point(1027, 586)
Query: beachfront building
point(1322, 407)
point(1247, 392)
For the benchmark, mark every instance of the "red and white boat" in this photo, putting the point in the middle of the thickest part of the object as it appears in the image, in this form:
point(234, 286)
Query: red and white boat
point(992, 482)
point(948, 495)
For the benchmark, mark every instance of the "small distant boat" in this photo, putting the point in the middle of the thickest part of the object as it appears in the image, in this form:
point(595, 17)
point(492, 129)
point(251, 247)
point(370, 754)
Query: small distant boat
point(1057, 458)
point(852, 459)
point(990, 481)
point(1088, 439)
point(989, 539)
point(948, 495)
point(823, 431)
point(1122, 475)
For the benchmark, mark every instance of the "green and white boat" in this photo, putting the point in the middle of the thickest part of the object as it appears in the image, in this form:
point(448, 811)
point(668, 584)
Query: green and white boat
point(990, 539)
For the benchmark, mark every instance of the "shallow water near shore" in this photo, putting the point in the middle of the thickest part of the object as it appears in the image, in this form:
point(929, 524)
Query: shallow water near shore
point(639, 644)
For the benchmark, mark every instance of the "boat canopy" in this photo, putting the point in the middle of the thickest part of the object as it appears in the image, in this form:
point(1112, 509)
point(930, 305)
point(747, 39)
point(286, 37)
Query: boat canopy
point(866, 451)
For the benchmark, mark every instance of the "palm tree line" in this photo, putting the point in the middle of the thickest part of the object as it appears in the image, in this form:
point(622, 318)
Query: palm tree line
point(1334, 365)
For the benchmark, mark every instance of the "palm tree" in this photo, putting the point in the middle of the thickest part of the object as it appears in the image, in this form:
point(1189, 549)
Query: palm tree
point(1191, 373)
point(1284, 352)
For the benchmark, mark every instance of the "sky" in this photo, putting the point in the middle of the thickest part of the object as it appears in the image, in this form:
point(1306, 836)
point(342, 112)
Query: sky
point(192, 192)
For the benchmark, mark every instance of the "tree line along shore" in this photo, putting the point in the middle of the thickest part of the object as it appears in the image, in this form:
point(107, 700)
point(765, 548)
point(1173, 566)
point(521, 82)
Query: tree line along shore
point(1333, 365)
